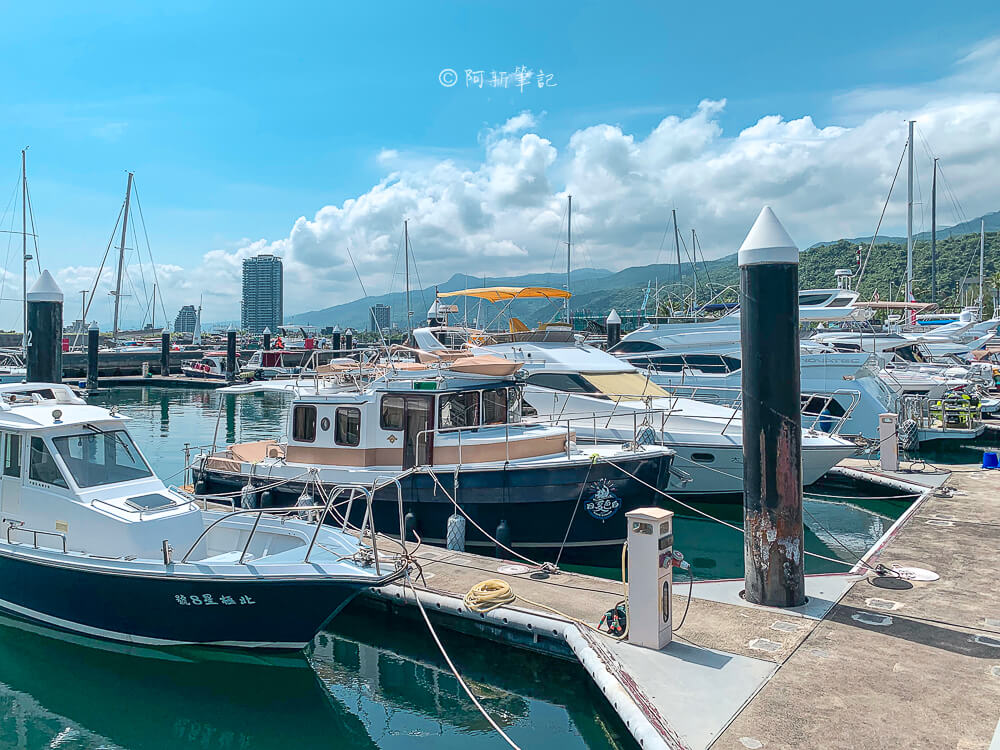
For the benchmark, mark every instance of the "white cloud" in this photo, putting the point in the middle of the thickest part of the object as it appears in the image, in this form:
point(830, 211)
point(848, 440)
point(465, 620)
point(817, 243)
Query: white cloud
point(505, 215)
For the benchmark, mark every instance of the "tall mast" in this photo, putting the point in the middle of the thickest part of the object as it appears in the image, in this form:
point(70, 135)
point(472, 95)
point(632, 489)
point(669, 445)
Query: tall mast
point(24, 249)
point(934, 234)
point(569, 246)
point(121, 256)
point(694, 267)
point(982, 248)
point(909, 215)
point(677, 245)
point(153, 322)
point(406, 253)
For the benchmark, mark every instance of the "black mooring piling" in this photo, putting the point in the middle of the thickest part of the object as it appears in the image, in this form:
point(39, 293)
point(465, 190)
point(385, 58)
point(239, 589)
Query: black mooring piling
point(164, 354)
point(349, 340)
point(614, 328)
point(231, 355)
point(93, 340)
point(267, 340)
point(336, 338)
point(44, 339)
point(772, 430)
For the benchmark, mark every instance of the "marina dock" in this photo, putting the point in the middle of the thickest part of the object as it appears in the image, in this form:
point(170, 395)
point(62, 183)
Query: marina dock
point(859, 665)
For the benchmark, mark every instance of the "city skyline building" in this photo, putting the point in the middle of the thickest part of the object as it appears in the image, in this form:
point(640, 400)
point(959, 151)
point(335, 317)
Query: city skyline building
point(379, 318)
point(261, 306)
point(186, 320)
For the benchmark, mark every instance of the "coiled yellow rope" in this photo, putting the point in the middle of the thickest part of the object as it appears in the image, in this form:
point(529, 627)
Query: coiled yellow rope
point(488, 595)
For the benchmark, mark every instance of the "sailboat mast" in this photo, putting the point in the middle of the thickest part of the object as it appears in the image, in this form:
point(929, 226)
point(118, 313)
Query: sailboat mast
point(153, 322)
point(934, 234)
point(909, 215)
point(121, 255)
point(694, 267)
point(24, 248)
point(677, 245)
point(569, 246)
point(982, 249)
point(406, 254)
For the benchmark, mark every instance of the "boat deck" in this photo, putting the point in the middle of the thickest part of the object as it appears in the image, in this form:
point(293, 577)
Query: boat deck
point(857, 666)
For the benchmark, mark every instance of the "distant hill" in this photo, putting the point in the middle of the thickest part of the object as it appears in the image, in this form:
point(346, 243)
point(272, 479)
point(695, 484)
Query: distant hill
point(596, 291)
point(966, 227)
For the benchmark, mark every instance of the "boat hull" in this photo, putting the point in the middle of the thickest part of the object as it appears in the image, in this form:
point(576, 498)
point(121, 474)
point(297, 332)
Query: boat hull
point(538, 506)
point(171, 609)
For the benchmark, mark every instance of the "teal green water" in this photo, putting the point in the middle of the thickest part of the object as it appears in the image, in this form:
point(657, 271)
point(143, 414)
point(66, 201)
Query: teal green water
point(370, 684)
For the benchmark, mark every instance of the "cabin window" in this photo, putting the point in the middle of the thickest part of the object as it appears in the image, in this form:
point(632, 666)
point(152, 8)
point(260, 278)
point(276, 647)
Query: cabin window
point(559, 381)
point(97, 458)
point(391, 417)
point(633, 346)
point(348, 430)
point(42, 467)
point(459, 410)
point(12, 456)
point(514, 405)
point(495, 408)
point(703, 458)
point(304, 424)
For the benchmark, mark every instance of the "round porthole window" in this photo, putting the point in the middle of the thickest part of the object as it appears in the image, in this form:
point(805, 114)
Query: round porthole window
point(324, 424)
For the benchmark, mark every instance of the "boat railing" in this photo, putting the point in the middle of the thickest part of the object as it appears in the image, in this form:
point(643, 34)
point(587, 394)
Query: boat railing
point(955, 411)
point(298, 510)
point(815, 416)
point(13, 525)
point(641, 421)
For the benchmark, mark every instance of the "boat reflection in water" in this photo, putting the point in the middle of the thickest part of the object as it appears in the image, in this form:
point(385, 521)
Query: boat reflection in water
point(410, 692)
point(70, 691)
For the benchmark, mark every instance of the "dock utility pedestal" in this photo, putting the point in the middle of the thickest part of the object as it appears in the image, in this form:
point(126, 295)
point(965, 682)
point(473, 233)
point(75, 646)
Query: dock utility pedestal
point(888, 441)
point(650, 574)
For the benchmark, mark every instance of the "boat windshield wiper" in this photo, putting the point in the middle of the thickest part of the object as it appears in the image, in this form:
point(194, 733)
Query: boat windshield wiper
point(115, 435)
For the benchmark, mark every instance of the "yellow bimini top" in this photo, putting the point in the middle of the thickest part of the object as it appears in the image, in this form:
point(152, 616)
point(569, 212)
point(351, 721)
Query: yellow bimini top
point(499, 293)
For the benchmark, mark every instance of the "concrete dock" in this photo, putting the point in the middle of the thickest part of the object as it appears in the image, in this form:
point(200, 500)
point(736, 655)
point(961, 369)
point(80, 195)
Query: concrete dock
point(858, 666)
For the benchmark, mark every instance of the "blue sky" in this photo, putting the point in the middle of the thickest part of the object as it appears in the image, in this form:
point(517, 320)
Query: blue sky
point(240, 118)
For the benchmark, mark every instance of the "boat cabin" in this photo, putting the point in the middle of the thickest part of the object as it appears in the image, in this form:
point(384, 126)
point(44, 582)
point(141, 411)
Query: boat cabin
point(71, 478)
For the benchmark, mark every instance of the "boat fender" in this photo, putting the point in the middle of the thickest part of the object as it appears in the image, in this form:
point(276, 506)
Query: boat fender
point(248, 498)
point(304, 501)
point(266, 499)
point(909, 438)
point(409, 524)
point(456, 532)
point(200, 488)
point(502, 537)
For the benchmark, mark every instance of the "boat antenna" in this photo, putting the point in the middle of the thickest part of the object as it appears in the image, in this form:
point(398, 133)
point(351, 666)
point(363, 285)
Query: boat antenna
point(121, 257)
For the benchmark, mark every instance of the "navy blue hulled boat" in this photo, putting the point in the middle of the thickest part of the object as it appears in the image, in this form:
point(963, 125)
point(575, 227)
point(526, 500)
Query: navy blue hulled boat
point(92, 542)
point(431, 437)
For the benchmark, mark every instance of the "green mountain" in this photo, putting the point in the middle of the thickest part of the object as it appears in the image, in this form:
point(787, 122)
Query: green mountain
point(596, 291)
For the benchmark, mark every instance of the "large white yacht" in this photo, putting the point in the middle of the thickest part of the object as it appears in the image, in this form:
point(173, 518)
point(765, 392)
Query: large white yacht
point(609, 399)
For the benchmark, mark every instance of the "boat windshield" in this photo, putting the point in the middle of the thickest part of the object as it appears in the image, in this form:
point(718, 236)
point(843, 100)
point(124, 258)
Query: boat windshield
point(625, 385)
point(106, 457)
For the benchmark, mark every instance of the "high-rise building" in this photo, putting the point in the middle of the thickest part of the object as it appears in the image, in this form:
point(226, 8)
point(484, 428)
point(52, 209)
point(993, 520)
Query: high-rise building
point(186, 320)
point(262, 292)
point(379, 318)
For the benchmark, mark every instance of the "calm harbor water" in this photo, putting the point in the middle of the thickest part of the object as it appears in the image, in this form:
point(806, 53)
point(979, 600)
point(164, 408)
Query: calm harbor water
point(367, 685)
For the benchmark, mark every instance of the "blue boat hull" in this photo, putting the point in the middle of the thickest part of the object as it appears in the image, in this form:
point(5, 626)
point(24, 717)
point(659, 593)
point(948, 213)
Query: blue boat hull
point(537, 507)
point(171, 609)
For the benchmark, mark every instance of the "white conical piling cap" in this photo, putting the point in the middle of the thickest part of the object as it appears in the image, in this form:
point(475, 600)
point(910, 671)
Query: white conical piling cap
point(613, 318)
point(45, 289)
point(267, 331)
point(767, 242)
